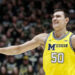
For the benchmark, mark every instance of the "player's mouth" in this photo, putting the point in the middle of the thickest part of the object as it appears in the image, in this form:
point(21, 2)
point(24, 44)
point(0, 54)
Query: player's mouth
point(55, 23)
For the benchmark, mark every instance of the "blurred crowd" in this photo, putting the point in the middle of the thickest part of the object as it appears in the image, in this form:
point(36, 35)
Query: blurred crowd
point(20, 21)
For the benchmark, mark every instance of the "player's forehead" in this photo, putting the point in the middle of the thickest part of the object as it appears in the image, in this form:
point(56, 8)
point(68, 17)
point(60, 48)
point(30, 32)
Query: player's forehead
point(61, 13)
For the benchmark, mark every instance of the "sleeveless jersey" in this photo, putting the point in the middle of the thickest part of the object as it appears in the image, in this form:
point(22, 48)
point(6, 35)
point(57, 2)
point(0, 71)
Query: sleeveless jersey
point(59, 57)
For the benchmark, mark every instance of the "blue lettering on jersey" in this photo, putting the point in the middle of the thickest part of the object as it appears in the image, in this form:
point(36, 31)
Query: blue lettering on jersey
point(51, 46)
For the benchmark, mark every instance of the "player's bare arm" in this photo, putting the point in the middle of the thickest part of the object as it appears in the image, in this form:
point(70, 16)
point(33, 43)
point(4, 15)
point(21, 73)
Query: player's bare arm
point(29, 45)
point(73, 41)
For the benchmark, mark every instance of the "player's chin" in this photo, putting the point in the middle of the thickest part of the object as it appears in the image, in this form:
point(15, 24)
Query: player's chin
point(55, 26)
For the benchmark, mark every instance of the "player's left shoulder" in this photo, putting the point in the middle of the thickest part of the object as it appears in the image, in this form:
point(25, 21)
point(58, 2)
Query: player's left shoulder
point(41, 37)
point(73, 41)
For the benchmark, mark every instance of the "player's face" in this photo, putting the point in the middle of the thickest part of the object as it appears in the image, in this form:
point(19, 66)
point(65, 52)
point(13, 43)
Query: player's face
point(59, 21)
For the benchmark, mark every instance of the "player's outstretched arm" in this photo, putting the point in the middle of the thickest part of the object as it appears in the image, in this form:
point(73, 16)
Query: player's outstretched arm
point(73, 41)
point(29, 45)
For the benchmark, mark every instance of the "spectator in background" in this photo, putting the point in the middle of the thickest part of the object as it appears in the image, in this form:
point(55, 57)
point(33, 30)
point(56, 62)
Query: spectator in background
point(41, 72)
point(23, 69)
point(40, 65)
point(10, 64)
point(30, 70)
point(33, 32)
point(3, 70)
point(15, 71)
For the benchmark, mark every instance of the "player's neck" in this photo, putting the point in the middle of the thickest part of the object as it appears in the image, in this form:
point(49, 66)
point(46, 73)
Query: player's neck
point(60, 33)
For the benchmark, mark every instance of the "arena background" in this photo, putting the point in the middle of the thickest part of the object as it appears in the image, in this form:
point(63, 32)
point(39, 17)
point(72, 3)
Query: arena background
point(20, 21)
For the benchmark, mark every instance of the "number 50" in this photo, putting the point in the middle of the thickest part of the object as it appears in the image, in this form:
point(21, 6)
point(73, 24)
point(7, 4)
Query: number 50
point(57, 57)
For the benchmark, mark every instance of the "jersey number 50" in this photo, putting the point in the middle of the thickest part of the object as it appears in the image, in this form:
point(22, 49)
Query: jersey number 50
point(57, 57)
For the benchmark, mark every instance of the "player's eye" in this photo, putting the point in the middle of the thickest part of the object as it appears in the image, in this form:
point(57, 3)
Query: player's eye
point(58, 16)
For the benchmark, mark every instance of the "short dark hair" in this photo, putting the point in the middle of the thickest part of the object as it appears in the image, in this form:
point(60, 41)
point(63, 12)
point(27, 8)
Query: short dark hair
point(63, 10)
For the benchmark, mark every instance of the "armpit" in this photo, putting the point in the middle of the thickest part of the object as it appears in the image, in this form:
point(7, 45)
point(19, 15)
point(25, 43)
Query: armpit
point(42, 45)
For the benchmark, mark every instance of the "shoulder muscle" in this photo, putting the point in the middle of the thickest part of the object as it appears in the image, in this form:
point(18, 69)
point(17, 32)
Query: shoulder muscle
point(41, 37)
point(73, 41)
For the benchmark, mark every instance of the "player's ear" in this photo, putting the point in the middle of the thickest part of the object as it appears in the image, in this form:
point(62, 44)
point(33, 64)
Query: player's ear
point(67, 20)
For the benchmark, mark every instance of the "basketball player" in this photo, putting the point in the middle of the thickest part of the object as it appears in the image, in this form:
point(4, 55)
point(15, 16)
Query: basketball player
point(59, 45)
